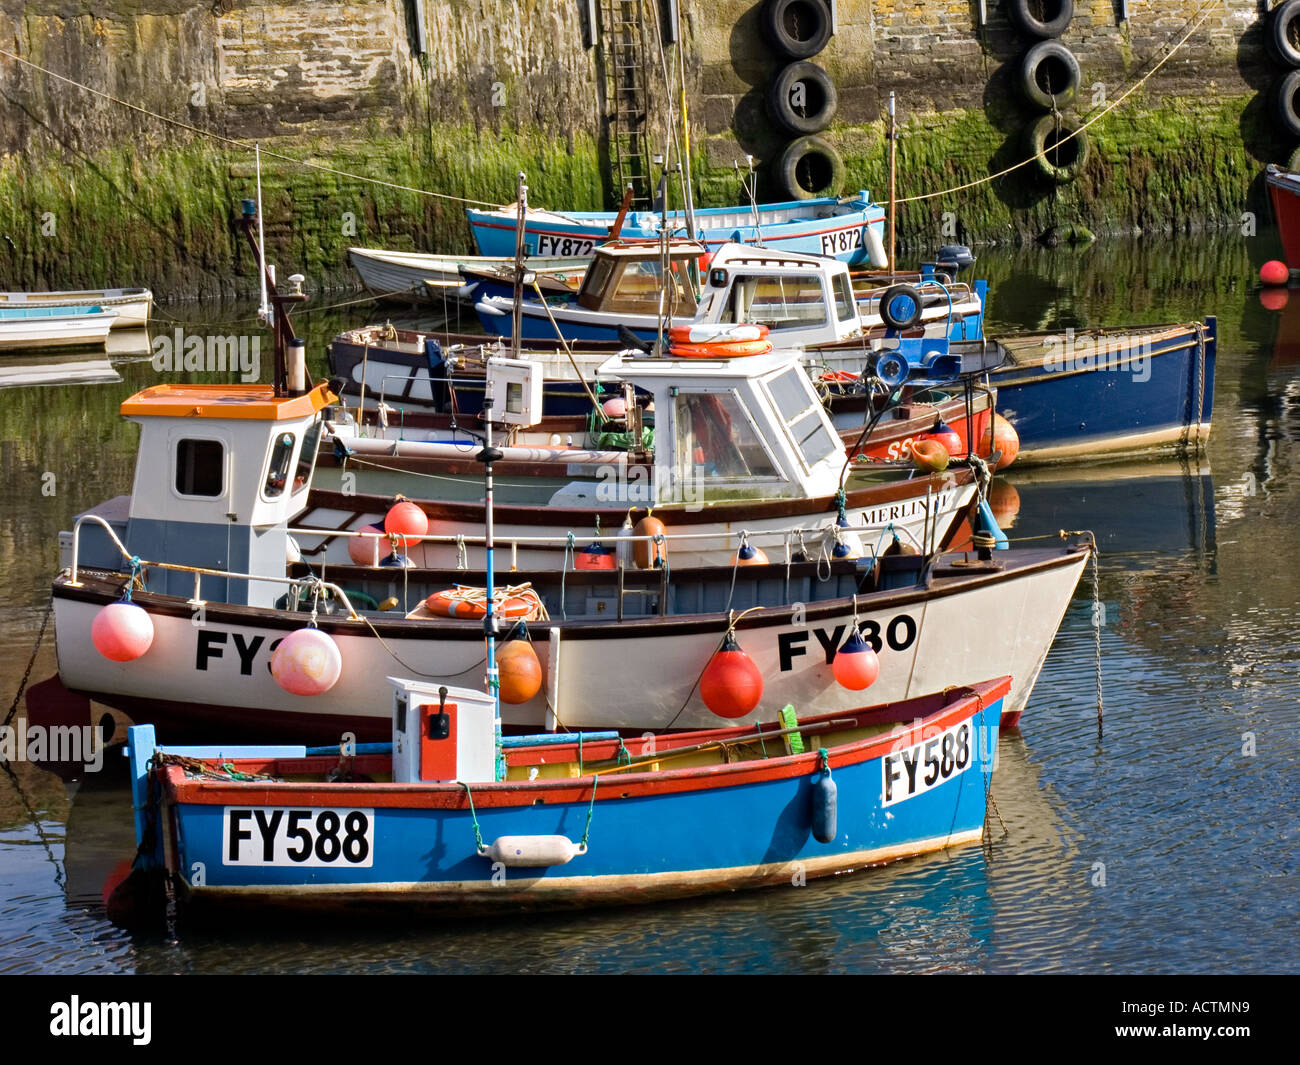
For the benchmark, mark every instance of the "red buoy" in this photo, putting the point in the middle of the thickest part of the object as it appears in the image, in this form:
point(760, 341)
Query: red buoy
point(614, 408)
point(945, 434)
point(1274, 272)
point(519, 672)
point(731, 685)
point(595, 556)
point(647, 553)
point(856, 666)
point(405, 519)
point(1274, 299)
point(122, 632)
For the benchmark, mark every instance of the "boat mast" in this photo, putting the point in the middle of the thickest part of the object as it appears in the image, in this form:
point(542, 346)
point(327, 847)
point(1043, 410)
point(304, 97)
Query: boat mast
point(892, 135)
point(522, 203)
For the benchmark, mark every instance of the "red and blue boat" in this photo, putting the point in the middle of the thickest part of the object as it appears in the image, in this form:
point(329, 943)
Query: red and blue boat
point(449, 820)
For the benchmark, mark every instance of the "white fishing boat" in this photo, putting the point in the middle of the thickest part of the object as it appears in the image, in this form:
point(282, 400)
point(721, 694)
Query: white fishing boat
point(416, 277)
point(27, 328)
point(132, 305)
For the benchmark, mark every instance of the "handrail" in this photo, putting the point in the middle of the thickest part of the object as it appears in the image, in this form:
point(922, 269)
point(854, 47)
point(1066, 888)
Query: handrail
point(198, 571)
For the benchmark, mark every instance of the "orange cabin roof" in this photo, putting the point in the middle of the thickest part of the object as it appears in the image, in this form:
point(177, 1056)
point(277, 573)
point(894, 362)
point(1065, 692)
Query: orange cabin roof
point(252, 402)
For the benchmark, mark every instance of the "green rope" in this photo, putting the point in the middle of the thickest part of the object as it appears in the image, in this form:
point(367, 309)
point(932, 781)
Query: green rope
point(624, 756)
point(478, 836)
point(591, 808)
point(564, 572)
point(825, 756)
point(136, 566)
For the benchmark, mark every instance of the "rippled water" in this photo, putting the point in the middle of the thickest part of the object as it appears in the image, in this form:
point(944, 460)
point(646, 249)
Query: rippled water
point(1154, 846)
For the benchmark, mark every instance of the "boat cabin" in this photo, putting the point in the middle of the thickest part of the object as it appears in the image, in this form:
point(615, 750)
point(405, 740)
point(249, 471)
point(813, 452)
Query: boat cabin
point(627, 277)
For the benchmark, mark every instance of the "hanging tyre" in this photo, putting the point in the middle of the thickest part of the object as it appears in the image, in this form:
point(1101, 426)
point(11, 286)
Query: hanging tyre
point(1049, 75)
point(900, 307)
point(801, 99)
point(808, 168)
point(797, 28)
point(1284, 33)
point(1062, 156)
point(1041, 18)
point(1286, 108)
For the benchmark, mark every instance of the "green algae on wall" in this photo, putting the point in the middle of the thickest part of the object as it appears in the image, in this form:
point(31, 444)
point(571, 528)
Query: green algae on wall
point(164, 217)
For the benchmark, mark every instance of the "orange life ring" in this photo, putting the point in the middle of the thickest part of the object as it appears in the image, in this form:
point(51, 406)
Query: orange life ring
point(719, 350)
point(462, 602)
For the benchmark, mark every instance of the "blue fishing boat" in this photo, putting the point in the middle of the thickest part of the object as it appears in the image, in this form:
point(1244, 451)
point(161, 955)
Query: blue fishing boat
point(448, 819)
point(849, 228)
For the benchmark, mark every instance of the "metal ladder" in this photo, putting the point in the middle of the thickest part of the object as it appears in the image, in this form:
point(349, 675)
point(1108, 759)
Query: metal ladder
point(626, 97)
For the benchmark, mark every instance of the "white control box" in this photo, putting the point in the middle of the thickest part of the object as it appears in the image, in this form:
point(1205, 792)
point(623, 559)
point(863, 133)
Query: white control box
point(515, 386)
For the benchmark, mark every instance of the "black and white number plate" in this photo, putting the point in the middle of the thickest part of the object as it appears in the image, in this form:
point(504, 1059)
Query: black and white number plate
point(910, 771)
point(331, 838)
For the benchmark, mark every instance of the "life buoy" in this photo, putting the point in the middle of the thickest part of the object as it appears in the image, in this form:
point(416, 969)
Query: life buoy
point(801, 99)
point(1062, 160)
point(721, 350)
point(712, 334)
point(1041, 18)
point(1284, 33)
point(900, 307)
point(1284, 103)
point(808, 168)
point(465, 602)
point(1049, 75)
point(797, 28)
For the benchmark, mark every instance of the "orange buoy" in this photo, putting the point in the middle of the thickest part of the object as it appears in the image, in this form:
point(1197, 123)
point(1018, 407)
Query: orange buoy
point(720, 349)
point(731, 685)
point(1001, 436)
point(647, 554)
point(929, 456)
point(462, 602)
point(519, 672)
point(856, 666)
point(405, 519)
point(749, 555)
point(361, 549)
point(122, 632)
point(715, 334)
point(945, 434)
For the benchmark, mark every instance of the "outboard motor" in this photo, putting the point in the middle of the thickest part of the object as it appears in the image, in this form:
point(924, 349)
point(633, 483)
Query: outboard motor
point(956, 255)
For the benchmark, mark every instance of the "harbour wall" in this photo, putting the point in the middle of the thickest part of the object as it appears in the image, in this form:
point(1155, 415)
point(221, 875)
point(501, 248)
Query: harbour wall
point(457, 96)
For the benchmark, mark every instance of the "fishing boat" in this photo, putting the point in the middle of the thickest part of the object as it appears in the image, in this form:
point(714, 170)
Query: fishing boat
point(572, 823)
point(133, 305)
point(848, 228)
point(804, 299)
point(414, 277)
point(26, 328)
point(1284, 192)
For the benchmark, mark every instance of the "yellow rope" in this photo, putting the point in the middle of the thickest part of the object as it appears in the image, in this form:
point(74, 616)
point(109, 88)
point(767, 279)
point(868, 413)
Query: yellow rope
point(242, 145)
point(1206, 8)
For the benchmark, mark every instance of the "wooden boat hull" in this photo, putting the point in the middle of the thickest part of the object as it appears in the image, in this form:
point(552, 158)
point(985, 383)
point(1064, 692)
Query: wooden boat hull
point(652, 834)
point(827, 226)
point(414, 277)
point(1151, 389)
point(211, 677)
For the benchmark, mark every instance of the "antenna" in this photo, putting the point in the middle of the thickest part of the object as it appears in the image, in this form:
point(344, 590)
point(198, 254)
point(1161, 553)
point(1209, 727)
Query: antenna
point(264, 309)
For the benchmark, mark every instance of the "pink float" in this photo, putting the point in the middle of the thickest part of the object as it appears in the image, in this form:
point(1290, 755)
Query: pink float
point(122, 632)
point(307, 662)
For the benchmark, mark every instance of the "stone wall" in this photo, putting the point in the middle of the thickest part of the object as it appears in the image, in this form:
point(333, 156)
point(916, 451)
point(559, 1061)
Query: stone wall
point(503, 85)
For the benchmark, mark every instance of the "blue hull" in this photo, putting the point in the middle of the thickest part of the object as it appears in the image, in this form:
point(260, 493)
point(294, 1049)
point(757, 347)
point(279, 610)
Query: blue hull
point(580, 232)
point(1147, 394)
point(685, 838)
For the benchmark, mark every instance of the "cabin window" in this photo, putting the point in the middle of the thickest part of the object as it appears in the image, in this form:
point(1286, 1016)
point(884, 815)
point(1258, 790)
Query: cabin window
point(638, 288)
point(200, 468)
point(845, 306)
point(778, 302)
point(800, 410)
point(714, 431)
point(594, 282)
point(277, 470)
point(307, 457)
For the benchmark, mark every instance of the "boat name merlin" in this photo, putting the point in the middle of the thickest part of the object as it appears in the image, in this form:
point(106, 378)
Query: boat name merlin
point(190, 353)
point(1071, 353)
